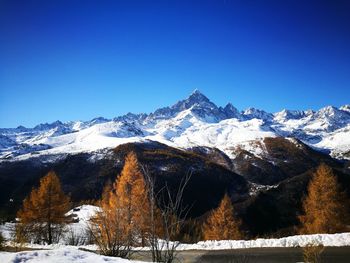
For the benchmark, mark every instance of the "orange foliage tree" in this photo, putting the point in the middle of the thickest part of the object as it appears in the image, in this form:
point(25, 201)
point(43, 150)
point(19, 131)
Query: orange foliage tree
point(125, 212)
point(221, 223)
point(108, 227)
point(43, 211)
point(132, 195)
point(326, 206)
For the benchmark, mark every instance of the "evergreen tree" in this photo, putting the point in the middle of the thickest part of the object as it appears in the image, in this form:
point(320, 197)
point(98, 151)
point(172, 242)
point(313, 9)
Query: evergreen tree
point(221, 223)
point(43, 211)
point(325, 207)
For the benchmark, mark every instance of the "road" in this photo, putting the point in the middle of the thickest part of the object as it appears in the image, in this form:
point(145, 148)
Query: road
point(256, 255)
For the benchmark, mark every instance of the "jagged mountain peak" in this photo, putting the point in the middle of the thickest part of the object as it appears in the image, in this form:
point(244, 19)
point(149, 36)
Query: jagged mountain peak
point(230, 106)
point(197, 102)
point(197, 99)
point(44, 126)
point(131, 117)
point(252, 113)
point(97, 120)
point(328, 110)
point(21, 128)
point(198, 96)
point(231, 111)
point(331, 112)
point(290, 114)
point(345, 108)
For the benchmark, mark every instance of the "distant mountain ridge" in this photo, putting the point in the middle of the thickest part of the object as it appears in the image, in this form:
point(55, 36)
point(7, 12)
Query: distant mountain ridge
point(194, 121)
point(262, 160)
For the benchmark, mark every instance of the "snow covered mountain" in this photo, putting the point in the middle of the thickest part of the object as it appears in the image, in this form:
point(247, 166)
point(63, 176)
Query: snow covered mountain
point(195, 121)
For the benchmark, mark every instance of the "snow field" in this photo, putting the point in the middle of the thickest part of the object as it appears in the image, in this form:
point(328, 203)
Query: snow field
point(60, 255)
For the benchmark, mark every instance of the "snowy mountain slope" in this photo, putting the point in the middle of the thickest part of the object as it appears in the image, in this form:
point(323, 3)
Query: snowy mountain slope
point(195, 121)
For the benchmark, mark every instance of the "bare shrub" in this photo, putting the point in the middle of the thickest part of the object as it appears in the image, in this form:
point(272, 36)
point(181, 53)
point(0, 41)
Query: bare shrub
point(171, 218)
point(312, 253)
point(76, 238)
point(109, 235)
point(20, 234)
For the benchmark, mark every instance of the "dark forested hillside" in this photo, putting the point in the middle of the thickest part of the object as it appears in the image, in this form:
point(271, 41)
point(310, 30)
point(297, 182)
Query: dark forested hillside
point(265, 209)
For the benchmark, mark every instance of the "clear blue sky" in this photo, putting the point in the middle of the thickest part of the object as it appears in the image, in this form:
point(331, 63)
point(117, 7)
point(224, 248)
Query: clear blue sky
point(76, 60)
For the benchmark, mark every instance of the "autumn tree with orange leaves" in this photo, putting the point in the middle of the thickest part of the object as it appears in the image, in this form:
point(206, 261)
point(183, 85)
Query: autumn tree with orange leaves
point(108, 227)
point(42, 216)
point(326, 206)
point(221, 223)
point(124, 216)
point(132, 195)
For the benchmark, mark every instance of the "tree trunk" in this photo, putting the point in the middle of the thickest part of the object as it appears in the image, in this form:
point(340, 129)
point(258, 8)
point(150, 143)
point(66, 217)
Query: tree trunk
point(50, 233)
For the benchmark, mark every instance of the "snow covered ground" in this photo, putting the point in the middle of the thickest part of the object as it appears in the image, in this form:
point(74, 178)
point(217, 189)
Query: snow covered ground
point(66, 253)
point(60, 255)
point(84, 212)
point(328, 240)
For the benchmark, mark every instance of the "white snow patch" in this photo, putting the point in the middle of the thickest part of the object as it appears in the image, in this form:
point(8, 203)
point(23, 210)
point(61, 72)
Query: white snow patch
point(328, 240)
point(256, 188)
point(84, 212)
point(60, 255)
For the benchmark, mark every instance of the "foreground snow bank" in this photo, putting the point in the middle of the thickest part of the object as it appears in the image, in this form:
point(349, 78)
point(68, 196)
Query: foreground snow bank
point(67, 254)
point(328, 240)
